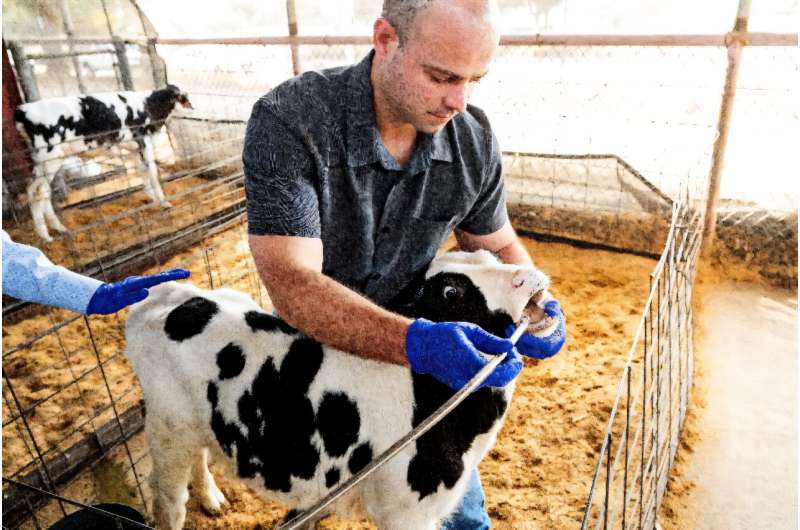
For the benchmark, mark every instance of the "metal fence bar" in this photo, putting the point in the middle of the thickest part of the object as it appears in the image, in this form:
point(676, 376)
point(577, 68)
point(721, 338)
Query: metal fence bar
point(24, 69)
point(43, 469)
point(627, 456)
point(124, 66)
point(734, 46)
point(113, 406)
point(714, 40)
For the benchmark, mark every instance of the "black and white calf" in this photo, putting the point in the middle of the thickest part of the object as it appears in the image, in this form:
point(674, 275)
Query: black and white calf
point(295, 418)
point(52, 126)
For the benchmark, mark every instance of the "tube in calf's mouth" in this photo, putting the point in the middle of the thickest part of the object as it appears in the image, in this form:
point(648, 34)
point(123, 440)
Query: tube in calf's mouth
point(541, 325)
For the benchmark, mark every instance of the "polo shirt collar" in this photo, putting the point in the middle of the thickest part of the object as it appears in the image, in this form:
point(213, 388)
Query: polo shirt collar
point(364, 143)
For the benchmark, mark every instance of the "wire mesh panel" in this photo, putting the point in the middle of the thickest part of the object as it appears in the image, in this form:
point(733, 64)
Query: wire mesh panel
point(643, 431)
point(70, 397)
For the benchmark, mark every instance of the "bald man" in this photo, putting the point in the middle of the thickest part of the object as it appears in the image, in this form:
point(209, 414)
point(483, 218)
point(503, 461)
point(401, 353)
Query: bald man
point(356, 175)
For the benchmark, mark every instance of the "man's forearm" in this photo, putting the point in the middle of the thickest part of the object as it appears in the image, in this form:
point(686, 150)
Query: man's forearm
point(337, 316)
point(514, 254)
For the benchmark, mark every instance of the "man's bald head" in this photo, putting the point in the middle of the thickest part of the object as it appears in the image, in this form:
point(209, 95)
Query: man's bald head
point(429, 54)
point(402, 13)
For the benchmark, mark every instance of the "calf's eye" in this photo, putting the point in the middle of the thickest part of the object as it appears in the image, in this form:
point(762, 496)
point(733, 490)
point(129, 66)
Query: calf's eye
point(450, 292)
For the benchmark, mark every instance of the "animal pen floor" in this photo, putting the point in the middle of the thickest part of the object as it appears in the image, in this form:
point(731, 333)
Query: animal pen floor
point(737, 468)
point(536, 476)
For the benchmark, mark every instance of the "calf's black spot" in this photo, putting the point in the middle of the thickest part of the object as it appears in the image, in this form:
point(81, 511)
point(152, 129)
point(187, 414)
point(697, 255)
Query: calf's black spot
point(190, 318)
point(332, 477)
point(98, 121)
point(278, 420)
point(226, 434)
point(440, 450)
point(259, 321)
point(230, 360)
point(338, 423)
point(362, 455)
point(212, 394)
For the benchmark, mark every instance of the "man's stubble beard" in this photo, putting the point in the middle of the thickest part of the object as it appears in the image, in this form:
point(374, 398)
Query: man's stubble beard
point(396, 95)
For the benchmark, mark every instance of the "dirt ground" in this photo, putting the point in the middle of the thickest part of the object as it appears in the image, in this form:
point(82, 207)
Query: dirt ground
point(536, 476)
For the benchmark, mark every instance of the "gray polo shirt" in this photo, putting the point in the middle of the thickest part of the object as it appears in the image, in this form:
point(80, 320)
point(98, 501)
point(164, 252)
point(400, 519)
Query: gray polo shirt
point(315, 166)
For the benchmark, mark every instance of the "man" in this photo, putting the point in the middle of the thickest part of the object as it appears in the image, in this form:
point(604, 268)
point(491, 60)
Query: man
point(356, 175)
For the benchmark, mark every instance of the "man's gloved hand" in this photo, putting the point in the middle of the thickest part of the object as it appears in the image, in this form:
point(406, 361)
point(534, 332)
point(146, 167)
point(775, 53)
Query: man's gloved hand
point(449, 352)
point(543, 347)
point(111, 297)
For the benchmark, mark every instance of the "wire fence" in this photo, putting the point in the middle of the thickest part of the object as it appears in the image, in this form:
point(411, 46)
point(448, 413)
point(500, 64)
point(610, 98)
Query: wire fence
point(607, 145)
point(643, 431)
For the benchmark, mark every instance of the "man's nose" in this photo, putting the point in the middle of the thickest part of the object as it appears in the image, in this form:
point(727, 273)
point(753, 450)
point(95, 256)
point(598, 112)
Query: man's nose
point(457, 96)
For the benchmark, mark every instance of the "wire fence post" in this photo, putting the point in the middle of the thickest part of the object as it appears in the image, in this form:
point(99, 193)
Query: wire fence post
point(291, 15)
point(157, 66)
point(27, 80)
point(69, 29)
point(735, 43)
point(122, 61)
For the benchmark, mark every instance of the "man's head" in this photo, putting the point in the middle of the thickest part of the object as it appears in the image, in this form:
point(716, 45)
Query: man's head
point(428, 56)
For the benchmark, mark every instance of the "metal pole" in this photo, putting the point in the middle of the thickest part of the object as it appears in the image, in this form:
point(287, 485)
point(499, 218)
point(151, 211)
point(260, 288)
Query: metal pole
point(24, 72)
point(122, 60)
point(735, 43)
point(125, 77)
point(69, 29)
point(291, 15)
point(157, 64)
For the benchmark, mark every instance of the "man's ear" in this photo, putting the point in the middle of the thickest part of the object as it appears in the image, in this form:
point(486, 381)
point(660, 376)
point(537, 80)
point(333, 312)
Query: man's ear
point(384, 38)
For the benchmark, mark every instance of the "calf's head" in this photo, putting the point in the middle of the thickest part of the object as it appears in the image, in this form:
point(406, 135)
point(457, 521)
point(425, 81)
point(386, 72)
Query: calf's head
point(474, 287)
point(178, 97)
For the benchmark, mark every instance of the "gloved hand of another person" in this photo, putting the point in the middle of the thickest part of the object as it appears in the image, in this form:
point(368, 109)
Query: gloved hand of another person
point(543, 347)
point(449, 352)
point(111, 297)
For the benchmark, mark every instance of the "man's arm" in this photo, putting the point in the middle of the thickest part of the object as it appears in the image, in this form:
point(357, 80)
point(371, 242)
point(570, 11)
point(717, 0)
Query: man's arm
point(504, 243)
point(291, 268)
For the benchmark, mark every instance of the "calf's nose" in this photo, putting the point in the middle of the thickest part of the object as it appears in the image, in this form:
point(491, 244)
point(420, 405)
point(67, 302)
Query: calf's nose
point(523, 278)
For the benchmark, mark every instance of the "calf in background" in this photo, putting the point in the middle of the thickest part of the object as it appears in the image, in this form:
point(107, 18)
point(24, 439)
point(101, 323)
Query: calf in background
point(49, 125)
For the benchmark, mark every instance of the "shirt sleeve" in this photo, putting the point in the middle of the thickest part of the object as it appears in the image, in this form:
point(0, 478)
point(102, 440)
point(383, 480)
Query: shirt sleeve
point(488, 214)
point(278, 170)
point(30, 276)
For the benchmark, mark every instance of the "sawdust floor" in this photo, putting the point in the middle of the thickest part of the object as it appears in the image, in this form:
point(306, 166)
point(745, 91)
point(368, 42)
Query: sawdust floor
point(537, 475)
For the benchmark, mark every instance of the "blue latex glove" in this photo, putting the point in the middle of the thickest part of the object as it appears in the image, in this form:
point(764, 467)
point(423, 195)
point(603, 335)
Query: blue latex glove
point(449, 352)
point(111, 297)
point(543, 347)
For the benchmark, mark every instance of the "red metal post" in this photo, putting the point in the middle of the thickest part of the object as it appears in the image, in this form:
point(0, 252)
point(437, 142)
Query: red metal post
point(16, 157)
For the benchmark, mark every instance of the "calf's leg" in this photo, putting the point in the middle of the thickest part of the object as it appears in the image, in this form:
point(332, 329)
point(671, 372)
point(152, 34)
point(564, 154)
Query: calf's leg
point(38, 200)
point(173, 452)
point(152, 185)
point(210, 496)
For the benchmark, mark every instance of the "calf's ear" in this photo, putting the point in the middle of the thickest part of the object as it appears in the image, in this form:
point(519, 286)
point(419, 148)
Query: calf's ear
point(405, 303)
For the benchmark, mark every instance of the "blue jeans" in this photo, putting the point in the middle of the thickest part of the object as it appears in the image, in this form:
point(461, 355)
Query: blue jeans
point(471, 513)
